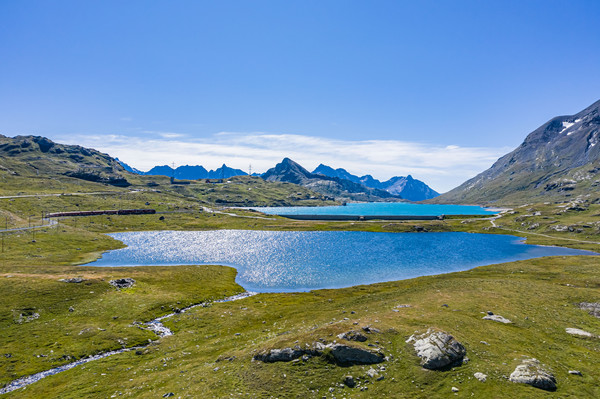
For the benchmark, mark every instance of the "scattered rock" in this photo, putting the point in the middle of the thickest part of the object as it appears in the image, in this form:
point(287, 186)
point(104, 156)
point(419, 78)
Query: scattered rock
point(483, 342)
point(532, 372)
point(592, 308)
point(26, 315)
point(575, 372)
point(454, 389)
point(480, 376)
point(498, 318)
point(559, 228)
point(372, 373)
point(122, 282)
point(168, 395)
point(71, 309)
point(579, 333)
point(352, 336)
point(349, 381)
point(437, 349)
point(445, 305)
point(72, 280)
point(371, 330)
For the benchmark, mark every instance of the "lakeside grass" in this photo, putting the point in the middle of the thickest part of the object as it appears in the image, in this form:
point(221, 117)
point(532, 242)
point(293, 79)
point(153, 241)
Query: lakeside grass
point(539, 295)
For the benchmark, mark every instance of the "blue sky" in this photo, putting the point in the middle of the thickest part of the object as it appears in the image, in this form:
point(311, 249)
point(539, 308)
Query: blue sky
point(437, 89)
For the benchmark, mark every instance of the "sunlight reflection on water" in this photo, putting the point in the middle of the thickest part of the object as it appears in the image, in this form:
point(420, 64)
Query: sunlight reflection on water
point(273, 261)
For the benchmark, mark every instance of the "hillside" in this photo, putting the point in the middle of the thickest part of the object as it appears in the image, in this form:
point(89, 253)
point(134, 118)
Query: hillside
point(34, 156)
point(37, 165)
point(559, 160)
point(338, 188)
point(406, 187)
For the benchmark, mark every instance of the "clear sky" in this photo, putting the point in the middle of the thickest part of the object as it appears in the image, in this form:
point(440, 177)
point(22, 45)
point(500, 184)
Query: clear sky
point(437, 89)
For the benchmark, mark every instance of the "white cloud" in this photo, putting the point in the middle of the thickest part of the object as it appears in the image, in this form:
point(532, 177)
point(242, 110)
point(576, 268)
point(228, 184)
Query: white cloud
point(443, 167)
point(165, 135)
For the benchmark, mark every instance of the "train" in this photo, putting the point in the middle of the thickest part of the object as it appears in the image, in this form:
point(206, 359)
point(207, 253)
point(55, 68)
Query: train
point(102, 212)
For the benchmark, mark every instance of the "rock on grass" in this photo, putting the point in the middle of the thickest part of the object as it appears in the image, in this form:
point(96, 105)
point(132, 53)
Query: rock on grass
point(497, 318)
point(533, 373)
point(437, 349)
point(341, 354)
point(122, 283)
point(579, 333)
point(592, 308)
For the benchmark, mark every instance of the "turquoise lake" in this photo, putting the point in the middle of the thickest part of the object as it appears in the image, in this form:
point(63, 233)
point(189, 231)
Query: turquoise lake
point(287, 261)
point(378, 209)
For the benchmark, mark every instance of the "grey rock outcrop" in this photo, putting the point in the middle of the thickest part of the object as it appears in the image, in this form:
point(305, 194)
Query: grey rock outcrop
point(341, 354)
point(592, 308)
point(122, 283)
point(533, 373)
point(345, 354)
point(280, 355)
point(437, 349)
point(72, 280)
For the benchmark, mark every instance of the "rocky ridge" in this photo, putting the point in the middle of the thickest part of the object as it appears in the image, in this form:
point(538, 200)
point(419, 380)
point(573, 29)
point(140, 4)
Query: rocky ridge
point(558, 160)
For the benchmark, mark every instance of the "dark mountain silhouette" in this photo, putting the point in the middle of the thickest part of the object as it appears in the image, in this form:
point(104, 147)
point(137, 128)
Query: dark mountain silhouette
point(187, 172)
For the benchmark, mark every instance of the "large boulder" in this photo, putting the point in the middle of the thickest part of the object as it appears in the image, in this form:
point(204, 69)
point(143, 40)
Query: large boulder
point(532, 372)
point(344, 354)
point(437, 349)
point(280, 355)
point(341, 354)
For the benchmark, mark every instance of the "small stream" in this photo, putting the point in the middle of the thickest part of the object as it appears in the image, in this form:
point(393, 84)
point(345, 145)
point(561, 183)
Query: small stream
point(155, 325)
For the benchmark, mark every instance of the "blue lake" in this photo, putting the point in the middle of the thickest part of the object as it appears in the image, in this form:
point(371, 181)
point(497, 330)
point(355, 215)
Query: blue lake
point(286, 261)
point(378, 209)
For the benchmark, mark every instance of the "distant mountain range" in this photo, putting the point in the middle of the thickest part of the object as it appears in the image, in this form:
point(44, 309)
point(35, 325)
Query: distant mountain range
point(364, 188)
point(557, 161)
point(406, 187)
point(189, 172)
point(340, 189)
